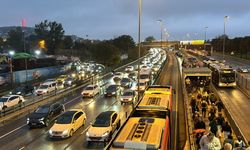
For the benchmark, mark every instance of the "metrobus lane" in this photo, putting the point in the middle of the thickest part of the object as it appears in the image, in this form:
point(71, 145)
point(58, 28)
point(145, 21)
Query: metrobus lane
point(78, 139)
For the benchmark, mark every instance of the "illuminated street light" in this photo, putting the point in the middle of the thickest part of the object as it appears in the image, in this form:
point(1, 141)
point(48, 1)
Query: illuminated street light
point(37, 52)
point(11, 53)
point(224, 39)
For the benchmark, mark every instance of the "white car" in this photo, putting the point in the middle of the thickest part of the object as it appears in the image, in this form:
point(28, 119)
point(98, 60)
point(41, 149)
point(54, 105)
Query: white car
point(67, 123)
point(46, 87)
point(11, 100)
point(91, 91)
point(118, 75)
point(128, 96)
point(129, 68)
point(142, 86)
point(103, 127)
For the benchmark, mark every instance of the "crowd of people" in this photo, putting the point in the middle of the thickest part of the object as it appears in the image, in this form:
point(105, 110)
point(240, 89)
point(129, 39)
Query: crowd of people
point(212, 130)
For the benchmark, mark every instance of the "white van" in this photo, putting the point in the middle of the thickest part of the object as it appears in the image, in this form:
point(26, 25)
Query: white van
point(46, 87)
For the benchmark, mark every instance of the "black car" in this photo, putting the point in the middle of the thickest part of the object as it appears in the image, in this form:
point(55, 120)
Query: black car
point(126, 82)
point(23, 90)
point(112, 90)
point(45, 114)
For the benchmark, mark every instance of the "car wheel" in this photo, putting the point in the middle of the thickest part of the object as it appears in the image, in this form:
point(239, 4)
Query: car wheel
point(20, 103)
point(121, 103)
point(118, 125)
point(4, 108)
point(84, 121)
point(71, 133)
point(47, 122)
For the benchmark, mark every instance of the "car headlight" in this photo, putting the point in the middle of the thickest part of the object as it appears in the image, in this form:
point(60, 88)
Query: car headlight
point(18, 93)
point(41, 119)
point(28, 120)
point(87, 133)
point(113, 92)
point(65, 132)
point(50, 131)
point(10, 93)
point(106, 133)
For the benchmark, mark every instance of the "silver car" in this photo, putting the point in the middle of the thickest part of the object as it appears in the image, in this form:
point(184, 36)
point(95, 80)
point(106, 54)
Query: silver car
point(128, 96)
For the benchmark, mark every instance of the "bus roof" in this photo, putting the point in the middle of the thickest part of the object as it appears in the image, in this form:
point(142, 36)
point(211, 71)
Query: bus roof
point(140, 133)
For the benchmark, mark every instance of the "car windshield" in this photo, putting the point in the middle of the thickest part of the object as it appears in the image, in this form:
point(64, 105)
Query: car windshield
point(111, 87)
point(128, 93)
point(141, 84)
point(101, 122)
point(144, 76)
point(89, 88)
point(125, 80)
point(42, 110)
point(19, 89)
point(64, 119)
point(3, 99)
point(43, 87)
point(118, 74)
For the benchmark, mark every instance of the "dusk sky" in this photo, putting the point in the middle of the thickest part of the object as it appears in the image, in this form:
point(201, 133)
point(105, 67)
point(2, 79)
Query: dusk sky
point(106, 19)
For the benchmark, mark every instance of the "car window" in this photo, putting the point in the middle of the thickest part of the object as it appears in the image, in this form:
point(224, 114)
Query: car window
point(54, 106)
point(77, 115)
point(13, 98)
point(114, 118)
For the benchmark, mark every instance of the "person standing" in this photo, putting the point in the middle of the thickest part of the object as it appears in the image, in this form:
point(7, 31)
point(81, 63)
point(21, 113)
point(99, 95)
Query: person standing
point(226, 128)
point(209, 142)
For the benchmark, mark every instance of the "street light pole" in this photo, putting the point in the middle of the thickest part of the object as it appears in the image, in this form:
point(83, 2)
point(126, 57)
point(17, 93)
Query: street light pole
point(26, 66)
point(139, 47)
point(224, 38)
point(160, 21)
point(205, 38)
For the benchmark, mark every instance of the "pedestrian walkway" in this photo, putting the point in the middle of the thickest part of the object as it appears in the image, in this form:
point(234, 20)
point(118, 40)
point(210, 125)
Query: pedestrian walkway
point(210, 126)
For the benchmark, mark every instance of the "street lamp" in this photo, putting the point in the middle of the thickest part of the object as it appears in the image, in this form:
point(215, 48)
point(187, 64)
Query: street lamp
point(224, 39)
point(160, 21)
point(11, 53)
point(37, 52)
point(205, 38)
point(139, 46)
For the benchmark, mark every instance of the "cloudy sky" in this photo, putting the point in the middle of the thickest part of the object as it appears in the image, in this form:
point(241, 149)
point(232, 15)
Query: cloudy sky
point(106, 19)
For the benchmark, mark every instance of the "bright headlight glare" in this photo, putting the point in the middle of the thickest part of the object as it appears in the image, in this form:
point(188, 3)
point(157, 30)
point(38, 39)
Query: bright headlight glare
point(106, 133)
point(87, 133)
point(65, 132)
point(50, 131)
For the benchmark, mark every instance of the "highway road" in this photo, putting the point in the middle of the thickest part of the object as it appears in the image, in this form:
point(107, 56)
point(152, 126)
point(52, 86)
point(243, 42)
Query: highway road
point(17, 135)
point(232, 61)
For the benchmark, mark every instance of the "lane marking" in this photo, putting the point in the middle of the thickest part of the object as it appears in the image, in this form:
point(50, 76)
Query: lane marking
point(72, 100)
point(21, 148)
point(85, 129)
point(12, 131)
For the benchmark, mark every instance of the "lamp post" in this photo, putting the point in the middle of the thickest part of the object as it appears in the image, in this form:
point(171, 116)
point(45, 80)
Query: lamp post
point(224, 38)
point(24, 48)
point(139, 46)
point(11, 53)
point(160, 21)
point(205, 38)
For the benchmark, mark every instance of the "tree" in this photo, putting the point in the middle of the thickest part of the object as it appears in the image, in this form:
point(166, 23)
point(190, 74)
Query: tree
point(124, 43)
point(15, 39)
point(106, 53)
point(68, 42)
point(1, 43)
point(52, 33)
point(149, 39)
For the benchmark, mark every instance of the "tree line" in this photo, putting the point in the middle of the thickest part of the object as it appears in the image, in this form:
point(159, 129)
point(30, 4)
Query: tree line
point(239, 46)
point(49, 37)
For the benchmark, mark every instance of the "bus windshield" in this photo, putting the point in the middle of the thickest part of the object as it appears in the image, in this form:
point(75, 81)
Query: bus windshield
point(227, 77)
